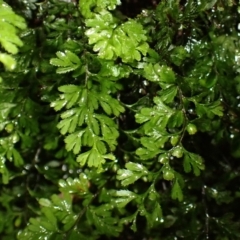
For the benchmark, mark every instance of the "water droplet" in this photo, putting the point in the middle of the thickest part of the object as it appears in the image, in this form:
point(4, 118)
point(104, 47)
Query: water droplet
point(27, 166)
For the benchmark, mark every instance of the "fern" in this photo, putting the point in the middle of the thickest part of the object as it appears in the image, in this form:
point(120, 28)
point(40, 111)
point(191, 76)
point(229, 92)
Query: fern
point(86, 128)
point(108, 121)
point(10, 41)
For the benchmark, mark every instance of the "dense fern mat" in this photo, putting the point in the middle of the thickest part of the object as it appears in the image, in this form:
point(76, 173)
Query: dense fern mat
point(119, 120)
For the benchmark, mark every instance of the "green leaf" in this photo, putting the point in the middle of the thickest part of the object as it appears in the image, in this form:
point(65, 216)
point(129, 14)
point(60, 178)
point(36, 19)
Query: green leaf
point(178, 55)
point(78, 186)
point(128, 177)
point(94, 158)
point(71, 95)
point(193, 161)
point(10, 23)
point(158, 116)
point(54, 212)
point(210, 109)
point(66, 61)
point(86, 6)
point(157, 73)
point(8, 61)
point(145, 154)
point(107, 37)
point(110, 105)
point(144, 115)
point(18, 160)
point(4, 171)
point(155, 216)
point(109, 130)
point(51, 223)
point(101, 218)
point(150, 143)
point(167, 95)
point(177, 191)
point(45, 202)
point(136, 167)
point(176, 120)
point(122, 198)
point(208, 5)
point(130, 219)
point(74, 142)
point(69, 88)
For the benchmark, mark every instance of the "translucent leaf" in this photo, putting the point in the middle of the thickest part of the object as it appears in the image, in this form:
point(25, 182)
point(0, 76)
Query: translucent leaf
point(8, 61)
point(69, 113)
point(45, 202)
point(167, 75)
point(136, 167)
point(149, 143)
point(10, 22)
point(123, 197)
point(157, 73)
point(82, 158)
point(193, 161)
point(155, 216)
point(144, 115)
point(128, 177)
point(101, 147)
point(177, 191)
point(78, 186)
point(18, 160)
point(151, 72)
point(161, 107)
point(64, 125)
point(51, 223)
point(93, 158)
point(109, 156)
point(103, 221)
point(93, 123)
point(107, 109)
point(145, 154)
point(74, 142)
point(58, 104)
point(66, 61)
point(4, 171)
point(178, 55)
point(55, 212)
point(86, 6)
point(157, 213)
point(130, 219)
point(167, 95)
point(176, 120)
point(109, 130)
point(89, 139)
point(187, 165)
point(210, 109)
point(209, 4)
point(69, 88)
point(108, 38)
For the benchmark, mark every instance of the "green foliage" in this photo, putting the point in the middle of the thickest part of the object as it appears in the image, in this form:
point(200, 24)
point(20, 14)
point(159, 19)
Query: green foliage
point(10, 23)
point(86, 6)
point(66, 62)
point(119, 127)
point(108, 36)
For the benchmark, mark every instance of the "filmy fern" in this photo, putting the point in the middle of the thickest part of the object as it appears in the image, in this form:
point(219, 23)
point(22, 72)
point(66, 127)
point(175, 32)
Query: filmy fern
point(10, 41)
point(107, 121)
